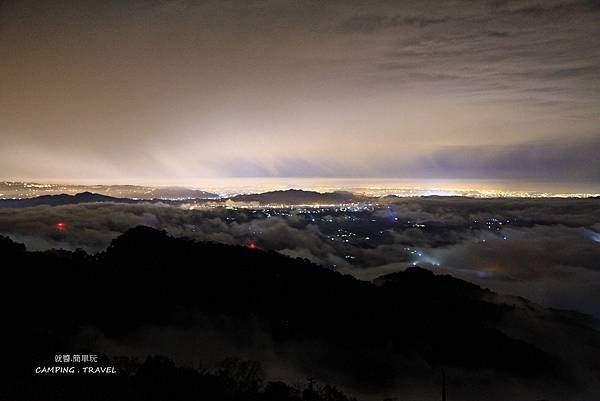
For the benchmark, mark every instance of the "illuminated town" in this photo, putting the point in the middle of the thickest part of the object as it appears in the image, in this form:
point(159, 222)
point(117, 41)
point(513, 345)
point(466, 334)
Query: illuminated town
point(21, 190)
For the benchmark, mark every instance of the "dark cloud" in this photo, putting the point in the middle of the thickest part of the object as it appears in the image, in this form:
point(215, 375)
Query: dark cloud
point(418, 21)
point(363, 24)
point(557, 160)
point(371, 23)
point(557, 8)
point(497, 45)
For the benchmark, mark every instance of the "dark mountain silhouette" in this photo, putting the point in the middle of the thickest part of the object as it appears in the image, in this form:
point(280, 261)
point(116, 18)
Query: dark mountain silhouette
point(169, 195)
point(63, 199)
point(12, 189)
point(297, 197)
point(371, 338)
point(162, 196)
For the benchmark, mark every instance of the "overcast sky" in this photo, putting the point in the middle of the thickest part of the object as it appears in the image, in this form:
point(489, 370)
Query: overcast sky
point(175, 90)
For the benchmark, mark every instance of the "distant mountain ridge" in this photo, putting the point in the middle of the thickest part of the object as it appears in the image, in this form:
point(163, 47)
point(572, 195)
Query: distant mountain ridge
point(287, 197)
point(83, 197)
point(299, 197)
point(24, 190)
point(290, 197)
point(62, 199)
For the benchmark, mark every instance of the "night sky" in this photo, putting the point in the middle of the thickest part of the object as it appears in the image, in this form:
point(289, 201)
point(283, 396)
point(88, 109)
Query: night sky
point(175, 90)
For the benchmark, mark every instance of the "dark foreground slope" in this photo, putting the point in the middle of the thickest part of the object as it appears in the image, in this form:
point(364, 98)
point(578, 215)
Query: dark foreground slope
point(203, 303)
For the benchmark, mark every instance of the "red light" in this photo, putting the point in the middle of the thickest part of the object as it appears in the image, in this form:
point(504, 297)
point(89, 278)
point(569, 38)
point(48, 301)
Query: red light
point(60, 226)
point(252, 245)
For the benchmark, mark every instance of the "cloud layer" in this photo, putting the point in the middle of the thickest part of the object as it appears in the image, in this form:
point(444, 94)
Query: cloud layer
point(546, 250)
point(173, 90)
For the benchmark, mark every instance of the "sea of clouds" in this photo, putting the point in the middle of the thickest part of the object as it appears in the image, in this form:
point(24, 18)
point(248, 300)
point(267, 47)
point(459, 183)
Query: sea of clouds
point(548, 250)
